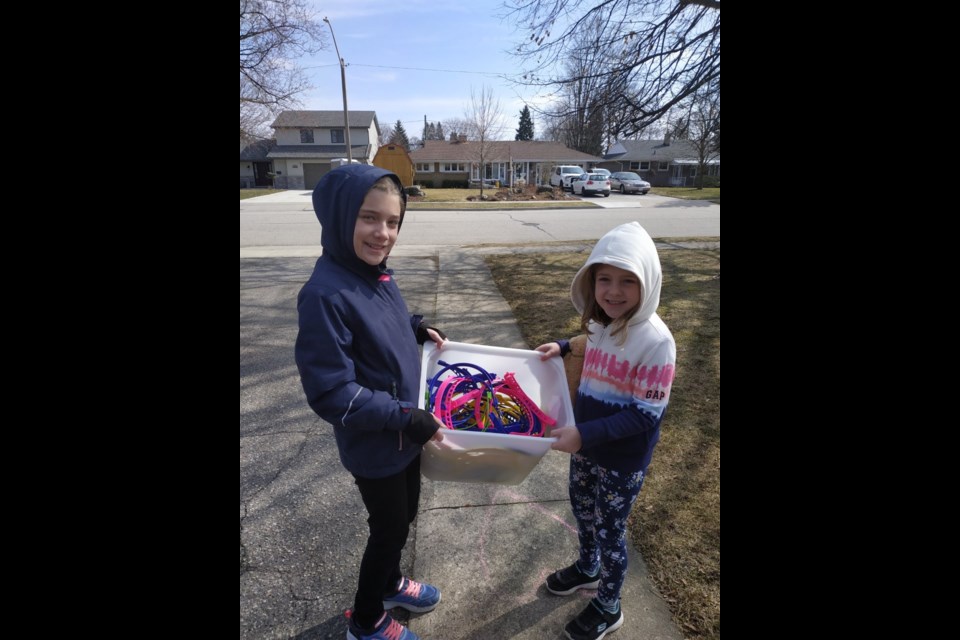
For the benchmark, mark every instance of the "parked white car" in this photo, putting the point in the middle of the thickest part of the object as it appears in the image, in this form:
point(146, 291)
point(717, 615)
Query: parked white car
point(563, 174)
point(590, 183)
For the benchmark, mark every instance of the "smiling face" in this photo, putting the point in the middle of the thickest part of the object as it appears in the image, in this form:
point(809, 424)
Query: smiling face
point(378, 224)
point(616, 290)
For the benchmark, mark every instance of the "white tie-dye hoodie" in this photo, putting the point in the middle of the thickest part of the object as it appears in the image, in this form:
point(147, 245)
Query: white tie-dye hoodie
point(626, 380)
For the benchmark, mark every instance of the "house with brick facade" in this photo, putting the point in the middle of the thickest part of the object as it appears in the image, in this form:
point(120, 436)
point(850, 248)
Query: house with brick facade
point(662, 163)
point(445, 163)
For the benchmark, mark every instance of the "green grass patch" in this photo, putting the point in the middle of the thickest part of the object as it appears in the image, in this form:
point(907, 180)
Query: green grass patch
point(676, 520)
point(711, 194)
point(253, 193)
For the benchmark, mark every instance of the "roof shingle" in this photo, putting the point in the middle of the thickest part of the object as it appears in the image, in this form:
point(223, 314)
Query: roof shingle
point(655, 150)
point(323, 119)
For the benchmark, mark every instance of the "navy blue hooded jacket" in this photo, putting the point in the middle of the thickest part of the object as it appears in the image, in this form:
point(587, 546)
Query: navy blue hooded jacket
point(357, 349)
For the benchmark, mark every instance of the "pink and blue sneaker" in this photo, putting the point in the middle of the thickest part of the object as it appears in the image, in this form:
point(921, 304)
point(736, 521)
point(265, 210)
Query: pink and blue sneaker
point(413, 596)
point(386, 629)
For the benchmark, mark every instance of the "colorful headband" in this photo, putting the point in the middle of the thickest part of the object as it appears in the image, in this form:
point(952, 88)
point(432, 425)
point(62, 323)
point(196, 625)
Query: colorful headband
point(483, 402)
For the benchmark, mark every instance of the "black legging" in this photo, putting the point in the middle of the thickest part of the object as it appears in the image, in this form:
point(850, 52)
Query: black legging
point(392, 504)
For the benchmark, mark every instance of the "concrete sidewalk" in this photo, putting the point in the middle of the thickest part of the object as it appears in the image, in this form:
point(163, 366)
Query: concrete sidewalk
point(303, 526)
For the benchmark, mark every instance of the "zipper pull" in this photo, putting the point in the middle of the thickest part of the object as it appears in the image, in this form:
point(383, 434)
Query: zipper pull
point(393, 392)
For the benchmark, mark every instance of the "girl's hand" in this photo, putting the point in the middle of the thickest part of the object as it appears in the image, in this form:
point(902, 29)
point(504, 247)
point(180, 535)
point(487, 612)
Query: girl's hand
point(436, 337)
point(568, 439)
point(438, 436)
point(548, 350)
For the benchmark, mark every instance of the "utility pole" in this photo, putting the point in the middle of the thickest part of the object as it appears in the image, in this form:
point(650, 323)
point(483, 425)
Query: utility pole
point(343, 82)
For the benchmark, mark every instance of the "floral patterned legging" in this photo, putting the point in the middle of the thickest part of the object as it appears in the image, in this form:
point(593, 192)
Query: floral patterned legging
point(601, 500)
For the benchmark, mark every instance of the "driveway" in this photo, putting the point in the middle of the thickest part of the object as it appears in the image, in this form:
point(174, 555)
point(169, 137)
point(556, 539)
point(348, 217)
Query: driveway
point(621, 201)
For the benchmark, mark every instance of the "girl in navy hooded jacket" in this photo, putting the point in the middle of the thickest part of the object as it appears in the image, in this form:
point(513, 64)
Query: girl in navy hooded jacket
point(357, 353)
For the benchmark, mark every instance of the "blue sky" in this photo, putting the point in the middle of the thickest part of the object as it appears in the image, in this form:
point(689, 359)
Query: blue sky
point(468, 40)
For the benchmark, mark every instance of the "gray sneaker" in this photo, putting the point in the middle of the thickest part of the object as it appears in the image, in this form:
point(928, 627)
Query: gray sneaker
point(593, 623)
point(566, 581)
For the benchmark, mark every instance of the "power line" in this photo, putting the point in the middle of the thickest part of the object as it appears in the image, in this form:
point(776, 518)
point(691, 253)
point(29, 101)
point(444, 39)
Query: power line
point(378, 66)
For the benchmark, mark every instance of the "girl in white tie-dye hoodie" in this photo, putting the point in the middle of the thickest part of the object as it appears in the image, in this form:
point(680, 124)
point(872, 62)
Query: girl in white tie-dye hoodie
point(624, 388)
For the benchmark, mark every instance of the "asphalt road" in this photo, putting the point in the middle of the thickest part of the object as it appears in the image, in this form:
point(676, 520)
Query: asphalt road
point(289, 228)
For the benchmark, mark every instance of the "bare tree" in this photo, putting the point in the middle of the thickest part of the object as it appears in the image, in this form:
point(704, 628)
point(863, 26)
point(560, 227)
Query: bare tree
point(386, 134)
point(457, 127)
point(581, 114)
point(703, 130)
point(272, 33)
point(657, 53)
point(483, 120)
point(253, 114)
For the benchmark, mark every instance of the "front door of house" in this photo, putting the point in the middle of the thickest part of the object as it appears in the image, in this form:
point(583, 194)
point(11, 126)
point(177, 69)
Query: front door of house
point(260, 171)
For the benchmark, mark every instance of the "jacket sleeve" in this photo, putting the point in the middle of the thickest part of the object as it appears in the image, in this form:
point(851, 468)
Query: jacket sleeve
point(623, 424)
point(324, 358)
point(650, 382)
point(415, 322)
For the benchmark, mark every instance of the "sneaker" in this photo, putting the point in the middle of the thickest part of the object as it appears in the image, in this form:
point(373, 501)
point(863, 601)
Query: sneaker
point(386, 629)
point(593, 623)
point(566, 581)
point(414, 596)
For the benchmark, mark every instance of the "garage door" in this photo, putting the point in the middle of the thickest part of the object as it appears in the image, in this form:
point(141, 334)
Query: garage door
point(312, 172)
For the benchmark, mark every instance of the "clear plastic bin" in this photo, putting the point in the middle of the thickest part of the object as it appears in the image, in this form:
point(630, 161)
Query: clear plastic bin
point(475, 456)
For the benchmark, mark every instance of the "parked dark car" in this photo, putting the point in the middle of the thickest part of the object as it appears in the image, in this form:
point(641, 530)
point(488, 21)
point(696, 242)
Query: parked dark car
point(591, 183)
point(629, 182)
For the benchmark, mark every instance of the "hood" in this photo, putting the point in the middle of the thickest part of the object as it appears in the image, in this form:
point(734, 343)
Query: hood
point(336, 201)
point(628, 247)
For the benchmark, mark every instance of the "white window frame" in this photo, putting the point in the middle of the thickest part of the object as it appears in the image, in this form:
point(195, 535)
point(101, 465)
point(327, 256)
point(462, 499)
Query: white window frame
point(423, 167)
point(663, 166)
point(342, 140)
point(453, 167)
point(491, 171)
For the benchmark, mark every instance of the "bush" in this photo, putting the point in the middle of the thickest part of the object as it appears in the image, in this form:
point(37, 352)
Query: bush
point(711, 181)
point(454, 184)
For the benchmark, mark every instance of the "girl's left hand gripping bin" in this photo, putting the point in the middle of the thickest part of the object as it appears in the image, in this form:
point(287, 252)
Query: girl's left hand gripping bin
point(474, 456)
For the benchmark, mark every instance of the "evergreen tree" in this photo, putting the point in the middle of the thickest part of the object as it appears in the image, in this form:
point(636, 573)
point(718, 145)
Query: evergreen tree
point(400, 136)
point(439, 135)
point(525, 130)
